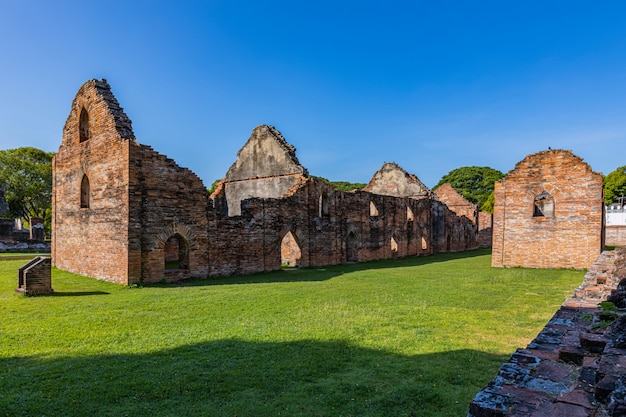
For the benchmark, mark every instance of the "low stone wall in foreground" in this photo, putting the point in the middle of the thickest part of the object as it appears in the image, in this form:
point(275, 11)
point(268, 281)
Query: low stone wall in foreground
point(576, 366)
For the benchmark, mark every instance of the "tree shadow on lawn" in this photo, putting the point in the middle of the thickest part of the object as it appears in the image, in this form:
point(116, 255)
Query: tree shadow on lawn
point(327, 272)
point(243, 378)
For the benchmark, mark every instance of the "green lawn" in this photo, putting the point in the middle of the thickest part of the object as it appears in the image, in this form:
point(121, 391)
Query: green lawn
point(410, 337)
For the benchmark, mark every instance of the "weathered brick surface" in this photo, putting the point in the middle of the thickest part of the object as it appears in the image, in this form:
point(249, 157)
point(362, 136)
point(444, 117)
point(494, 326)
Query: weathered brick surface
point(615, 235)
point(93, 241)
point(485, 229)
point(457, 203)
point(571, 237)
point(392, 180)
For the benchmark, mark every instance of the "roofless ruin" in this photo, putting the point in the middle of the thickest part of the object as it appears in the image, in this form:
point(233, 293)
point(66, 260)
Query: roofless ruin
point(124, 213)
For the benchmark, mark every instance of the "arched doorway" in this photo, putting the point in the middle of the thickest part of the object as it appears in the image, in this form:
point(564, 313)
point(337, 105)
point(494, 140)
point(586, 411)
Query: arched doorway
point(352, 254)
point(176, 253)
point(290, 252)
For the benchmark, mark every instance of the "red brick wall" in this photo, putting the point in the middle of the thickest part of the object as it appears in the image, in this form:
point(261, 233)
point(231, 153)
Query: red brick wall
point(572, 238)
point(93, 241)
point(165, 200)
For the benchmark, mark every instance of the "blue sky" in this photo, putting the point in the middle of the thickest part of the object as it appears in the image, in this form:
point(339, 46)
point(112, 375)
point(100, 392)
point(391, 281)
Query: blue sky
point(430, 85)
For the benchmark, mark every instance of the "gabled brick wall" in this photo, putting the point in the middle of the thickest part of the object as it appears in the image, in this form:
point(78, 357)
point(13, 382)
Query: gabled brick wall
point(571, 236)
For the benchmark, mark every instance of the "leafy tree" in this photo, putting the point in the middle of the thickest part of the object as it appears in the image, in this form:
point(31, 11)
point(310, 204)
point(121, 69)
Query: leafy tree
point(212, 189)
point(473, 183)
point(614, 185)
point(343, 185)
point(26, 174)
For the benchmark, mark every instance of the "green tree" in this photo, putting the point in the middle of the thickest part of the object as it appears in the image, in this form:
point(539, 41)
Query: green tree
point(342, 185)
point(474, 183)
point(26, 174)
point(614, 185)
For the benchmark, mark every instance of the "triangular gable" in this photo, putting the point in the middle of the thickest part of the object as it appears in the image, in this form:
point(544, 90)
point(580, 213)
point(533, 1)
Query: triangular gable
point(96, 107)
point(392, 180)
point(265, 154)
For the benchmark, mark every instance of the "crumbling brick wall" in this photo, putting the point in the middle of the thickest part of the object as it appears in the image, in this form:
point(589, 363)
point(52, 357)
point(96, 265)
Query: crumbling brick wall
point(167, 202)
point(125, 213)
point(548, 213)
point(485, 229)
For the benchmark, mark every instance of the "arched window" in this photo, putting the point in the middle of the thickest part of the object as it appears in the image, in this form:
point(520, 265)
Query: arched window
point(290, 252)
point(394, 244)
point(83, 125)
point(544, 205)
point(352, 244)
point(373, 209)
point(409, 214)
point(84, 192)
point(176, 253)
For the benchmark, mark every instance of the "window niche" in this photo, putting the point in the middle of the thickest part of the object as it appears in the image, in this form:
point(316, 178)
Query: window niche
point(409, 214)
point(83, 125)
point(323, 206)
point(543, 205)
point(373, 210)
point(84, 192)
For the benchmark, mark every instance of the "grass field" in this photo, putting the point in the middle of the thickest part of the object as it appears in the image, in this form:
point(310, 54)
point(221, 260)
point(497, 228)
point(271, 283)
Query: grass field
point(409, 337)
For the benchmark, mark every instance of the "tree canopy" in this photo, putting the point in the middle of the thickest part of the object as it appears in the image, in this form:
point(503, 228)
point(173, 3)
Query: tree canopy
point(343, 185)
point(614, 185)
point(475, 184)
point(26, 175)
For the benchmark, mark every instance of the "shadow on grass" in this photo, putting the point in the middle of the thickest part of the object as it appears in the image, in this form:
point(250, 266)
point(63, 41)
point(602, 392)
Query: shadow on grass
point(235, 377)
point(76, 293)
point(327, 272)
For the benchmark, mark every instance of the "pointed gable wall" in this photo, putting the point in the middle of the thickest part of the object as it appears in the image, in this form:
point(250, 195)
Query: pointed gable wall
point(548, 213)
point(90, 187)
point(266, 167)
point(394, 181)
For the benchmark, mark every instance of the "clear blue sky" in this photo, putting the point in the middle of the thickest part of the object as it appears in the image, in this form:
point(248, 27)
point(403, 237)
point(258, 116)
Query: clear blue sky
point(431, 85)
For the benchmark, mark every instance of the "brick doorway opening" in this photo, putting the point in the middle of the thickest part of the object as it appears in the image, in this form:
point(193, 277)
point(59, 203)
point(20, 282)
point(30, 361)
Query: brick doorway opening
point(176, 253)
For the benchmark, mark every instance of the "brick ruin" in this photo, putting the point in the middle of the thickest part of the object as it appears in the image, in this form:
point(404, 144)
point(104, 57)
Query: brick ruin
point(127, 214)
point(548, 213)
point(576, 366)
point(461, 207)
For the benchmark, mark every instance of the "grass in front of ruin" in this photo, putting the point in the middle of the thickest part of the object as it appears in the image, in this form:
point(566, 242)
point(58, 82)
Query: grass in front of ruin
point(410, 337)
